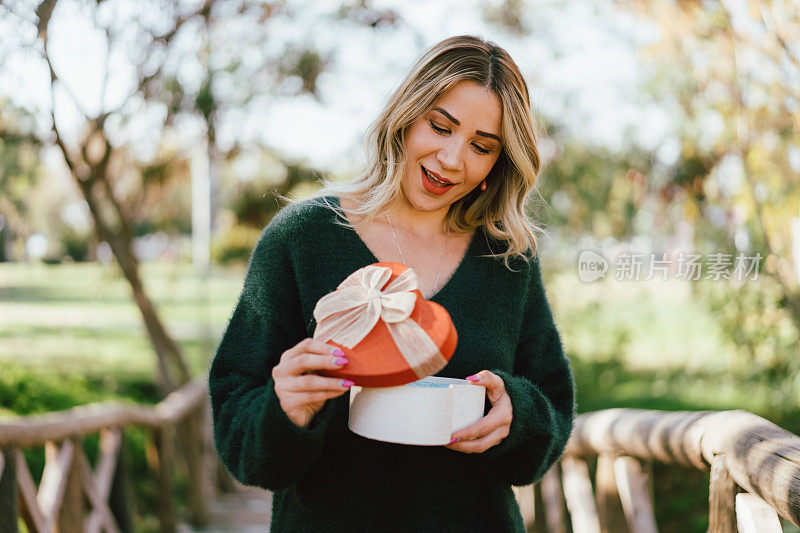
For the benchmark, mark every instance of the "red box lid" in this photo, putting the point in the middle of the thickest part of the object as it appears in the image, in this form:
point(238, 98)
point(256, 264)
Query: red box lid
point(393, 352)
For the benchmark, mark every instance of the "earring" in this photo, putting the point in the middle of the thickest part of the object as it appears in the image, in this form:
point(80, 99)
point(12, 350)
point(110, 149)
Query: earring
point(483, 185)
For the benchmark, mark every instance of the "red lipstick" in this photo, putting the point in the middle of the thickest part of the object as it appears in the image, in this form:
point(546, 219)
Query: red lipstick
point(431, 186)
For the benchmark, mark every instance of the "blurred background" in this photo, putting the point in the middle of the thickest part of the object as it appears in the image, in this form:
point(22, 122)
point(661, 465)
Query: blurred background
point(142, 145)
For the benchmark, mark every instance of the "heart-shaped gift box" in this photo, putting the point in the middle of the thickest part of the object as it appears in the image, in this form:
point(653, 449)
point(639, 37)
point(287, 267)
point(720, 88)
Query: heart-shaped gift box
point(390, 334)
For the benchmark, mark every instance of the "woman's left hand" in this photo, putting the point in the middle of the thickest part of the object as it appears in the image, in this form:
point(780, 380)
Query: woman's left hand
point(492, 428)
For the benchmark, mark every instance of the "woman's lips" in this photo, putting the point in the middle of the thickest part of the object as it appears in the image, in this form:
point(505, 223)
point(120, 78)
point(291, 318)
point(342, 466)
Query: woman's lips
point(430, 186)
point(439, 178)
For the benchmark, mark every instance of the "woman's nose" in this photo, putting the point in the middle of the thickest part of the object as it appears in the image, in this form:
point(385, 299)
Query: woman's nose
point(451, 155)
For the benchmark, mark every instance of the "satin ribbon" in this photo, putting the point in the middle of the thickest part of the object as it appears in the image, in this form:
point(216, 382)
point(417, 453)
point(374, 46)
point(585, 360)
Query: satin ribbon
point(346, 315)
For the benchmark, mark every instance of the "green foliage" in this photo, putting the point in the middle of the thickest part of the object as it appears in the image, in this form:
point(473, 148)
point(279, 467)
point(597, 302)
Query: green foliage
point(235, 245)
point(76, 243)
point(302, 65)
point(23, 391)
point(692, 169)
point(26, 390)
point(616, 334)
point(204, 101)
point(19, 152)
point(755, 319)
point(162, 200)
point(593, 190)
point(253, 204)
point(20, 170)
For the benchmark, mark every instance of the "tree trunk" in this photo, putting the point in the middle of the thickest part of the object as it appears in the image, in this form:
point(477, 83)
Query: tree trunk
point(113, 225)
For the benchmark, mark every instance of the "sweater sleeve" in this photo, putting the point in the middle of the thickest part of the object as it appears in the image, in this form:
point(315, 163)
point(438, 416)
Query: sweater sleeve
point(542, 394)
point(254, 438)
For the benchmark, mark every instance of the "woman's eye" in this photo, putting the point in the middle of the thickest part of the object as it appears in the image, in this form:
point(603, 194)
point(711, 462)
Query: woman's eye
point(437, 128)
point(443, 131)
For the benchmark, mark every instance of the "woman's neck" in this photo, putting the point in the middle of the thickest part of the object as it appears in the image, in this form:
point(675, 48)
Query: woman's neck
point(424, 224)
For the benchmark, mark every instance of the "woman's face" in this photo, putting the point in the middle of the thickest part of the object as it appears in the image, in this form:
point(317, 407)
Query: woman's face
point(457, 142)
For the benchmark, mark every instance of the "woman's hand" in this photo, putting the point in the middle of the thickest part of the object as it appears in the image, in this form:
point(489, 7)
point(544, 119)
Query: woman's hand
point(301, 392)
point(492, 428)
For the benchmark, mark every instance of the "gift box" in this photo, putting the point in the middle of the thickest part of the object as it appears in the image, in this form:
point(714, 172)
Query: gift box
point(390, 334)
point(425, 412)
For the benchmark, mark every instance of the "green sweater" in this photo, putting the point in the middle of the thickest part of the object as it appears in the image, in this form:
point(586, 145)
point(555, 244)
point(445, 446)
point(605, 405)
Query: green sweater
point(327, 478)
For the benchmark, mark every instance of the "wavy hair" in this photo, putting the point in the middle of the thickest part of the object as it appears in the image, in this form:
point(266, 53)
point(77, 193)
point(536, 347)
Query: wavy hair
point(501, 208)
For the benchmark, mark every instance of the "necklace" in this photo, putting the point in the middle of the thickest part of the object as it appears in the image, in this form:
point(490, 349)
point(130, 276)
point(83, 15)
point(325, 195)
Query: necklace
point(444, 250)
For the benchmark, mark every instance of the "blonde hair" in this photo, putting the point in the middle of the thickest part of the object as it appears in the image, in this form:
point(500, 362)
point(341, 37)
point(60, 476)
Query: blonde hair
point(501, 207)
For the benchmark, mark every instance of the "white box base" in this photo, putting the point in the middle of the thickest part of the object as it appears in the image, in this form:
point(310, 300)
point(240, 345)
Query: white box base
point(425, 412)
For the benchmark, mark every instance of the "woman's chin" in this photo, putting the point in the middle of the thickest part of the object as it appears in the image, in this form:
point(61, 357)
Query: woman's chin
point(426, 204)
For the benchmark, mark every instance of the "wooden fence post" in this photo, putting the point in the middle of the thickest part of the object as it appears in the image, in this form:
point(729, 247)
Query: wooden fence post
point(539, 518)
point(721, 498)
point(160, 454)
point(61, 477)
point(579, 495)
point(73, 507)
point(634, 492)
point(754, 515)
point(192, 436)
point(524, 497)
point(609, 506)
point(8, 490)
point(119, 497)
point(220, 480)
point(553, 499)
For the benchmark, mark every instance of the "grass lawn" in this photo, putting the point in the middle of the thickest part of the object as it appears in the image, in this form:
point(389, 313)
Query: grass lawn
point(70, 334)
point(81, 318)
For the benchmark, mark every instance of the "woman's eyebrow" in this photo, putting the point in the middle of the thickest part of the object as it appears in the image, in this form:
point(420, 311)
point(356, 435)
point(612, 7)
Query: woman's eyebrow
point(455, 121)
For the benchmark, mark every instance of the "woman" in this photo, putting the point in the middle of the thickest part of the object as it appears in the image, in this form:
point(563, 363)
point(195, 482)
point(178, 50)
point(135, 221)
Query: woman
point(452, 159)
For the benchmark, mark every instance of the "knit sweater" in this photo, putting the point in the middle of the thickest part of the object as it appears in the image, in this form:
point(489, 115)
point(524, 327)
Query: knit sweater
point(325, 477)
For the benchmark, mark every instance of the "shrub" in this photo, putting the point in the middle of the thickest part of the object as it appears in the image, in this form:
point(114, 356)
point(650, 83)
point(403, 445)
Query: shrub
point(235, 245)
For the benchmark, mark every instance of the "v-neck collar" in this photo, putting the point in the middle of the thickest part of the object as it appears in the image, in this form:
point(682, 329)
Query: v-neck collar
point(457, 272)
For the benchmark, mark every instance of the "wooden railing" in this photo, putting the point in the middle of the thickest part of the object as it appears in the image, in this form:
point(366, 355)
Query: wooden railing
point(754, 464)
point(74, 496)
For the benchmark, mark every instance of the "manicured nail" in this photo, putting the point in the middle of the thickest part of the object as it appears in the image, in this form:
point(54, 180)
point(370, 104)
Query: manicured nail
point(340, 361)
point(474, 378)
point(337, 351)
point(346, 383)
point(452, 441)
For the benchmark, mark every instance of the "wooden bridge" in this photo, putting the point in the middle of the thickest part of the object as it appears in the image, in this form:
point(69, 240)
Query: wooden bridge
point(754, 464)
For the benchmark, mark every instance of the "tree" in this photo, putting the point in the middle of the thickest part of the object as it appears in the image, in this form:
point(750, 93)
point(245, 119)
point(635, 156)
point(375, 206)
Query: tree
point(91, 154)
point(182, 64)
point(20, 169)
point(736, 67)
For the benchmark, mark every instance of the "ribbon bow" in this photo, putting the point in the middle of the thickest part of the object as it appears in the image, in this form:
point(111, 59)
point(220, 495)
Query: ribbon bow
point(346, 315)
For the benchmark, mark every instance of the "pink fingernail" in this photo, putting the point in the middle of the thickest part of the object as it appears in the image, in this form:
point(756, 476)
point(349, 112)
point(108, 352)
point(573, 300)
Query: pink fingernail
point(474, 378)
point(340, 361)
point(452, 441)
point(346, 383)
point(337, 351)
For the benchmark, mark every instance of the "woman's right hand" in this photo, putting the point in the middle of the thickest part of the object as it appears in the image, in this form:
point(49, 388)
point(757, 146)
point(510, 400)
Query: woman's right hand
point(301, 392)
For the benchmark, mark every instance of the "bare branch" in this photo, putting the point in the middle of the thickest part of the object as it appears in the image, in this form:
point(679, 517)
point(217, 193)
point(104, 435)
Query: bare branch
point(43, 12)
point(55, 79)
point(62, 145)
point(776, 33)
point(165, 38)
point(105, 74)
